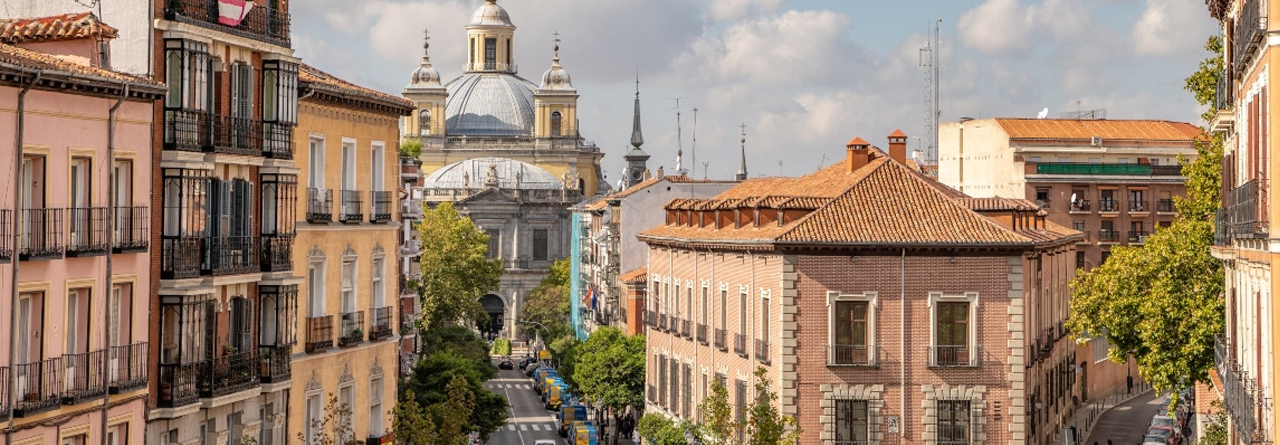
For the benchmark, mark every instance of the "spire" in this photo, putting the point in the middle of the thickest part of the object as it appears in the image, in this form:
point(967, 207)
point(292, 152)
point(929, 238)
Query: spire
point(556, 78)
point(425, 75)
point(742, 162)
point(637, 139)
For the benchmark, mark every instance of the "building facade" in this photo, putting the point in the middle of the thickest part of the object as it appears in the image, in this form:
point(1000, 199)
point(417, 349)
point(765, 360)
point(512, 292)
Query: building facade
point(1113, 180)
point(225, 300)
point(1246, 377)
point(76, 255)
point(349, 242)
point(929, 316)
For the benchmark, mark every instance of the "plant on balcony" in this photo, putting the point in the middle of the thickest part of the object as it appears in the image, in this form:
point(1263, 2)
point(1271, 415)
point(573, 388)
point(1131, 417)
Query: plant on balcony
point(410, 148)
point(455, 267)
point(1161, 303)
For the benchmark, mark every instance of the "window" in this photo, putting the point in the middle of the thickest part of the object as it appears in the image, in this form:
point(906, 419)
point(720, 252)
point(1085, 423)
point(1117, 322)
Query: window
point(764, 316)
point(675, 385)
point(490, 53)
point(1078, 225)
point(1079, 260)
point(688, 304)
point(120, 315)
point(209, 432)
point(1107, 200)
point(540, 241)
point(740, 403)
point(724, 301)
point(379, 284)
point(81, 186)
point(1105, 254)
point(242, 86)
point(77, 332)
point(313, 418)
point(170, 437)
point(315, 289)
point(424, 122)
point(189, 75)
point(951, 331)
point(662, 381)
point(375, 408)
point(315, 163)
point(472, 55)
point(742, 311)
point(119, 434)
point(123, 183)
point(346, 401)
point(509, 54)
point(79, 439)
point(235, 428)
point(1042, 197)
point(686, 406)
point(279, 91)
point(850, 343)
point(953, 422)
point(675, 306)
point(555, 123)
point(348, 286)
point(378, 160)
point(851, 422)
point(702, 310)
point(495, 243)
point(30, 324)
point(241, 334)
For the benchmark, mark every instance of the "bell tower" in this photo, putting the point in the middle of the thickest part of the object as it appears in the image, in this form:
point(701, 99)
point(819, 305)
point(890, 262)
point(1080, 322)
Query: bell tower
point(636, 158)
point(428, 95)
point(555, 102)
point(490, 39)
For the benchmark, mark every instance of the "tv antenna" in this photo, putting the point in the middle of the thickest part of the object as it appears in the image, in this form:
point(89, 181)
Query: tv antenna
point(679, 136)
point(931, 61)
point(693, 150)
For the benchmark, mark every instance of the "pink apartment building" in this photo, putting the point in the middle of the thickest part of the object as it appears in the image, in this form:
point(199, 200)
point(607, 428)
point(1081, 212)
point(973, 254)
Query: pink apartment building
point(73, 358)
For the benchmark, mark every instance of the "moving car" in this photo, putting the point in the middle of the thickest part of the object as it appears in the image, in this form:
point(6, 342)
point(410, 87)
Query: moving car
point(505, 364)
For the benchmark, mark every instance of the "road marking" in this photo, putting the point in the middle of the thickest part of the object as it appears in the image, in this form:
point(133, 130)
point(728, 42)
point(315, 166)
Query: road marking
point(525, 387)
point(524, 428)
point(511, 427)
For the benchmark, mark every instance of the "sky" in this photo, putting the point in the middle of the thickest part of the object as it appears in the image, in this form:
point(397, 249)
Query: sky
point(803, 76)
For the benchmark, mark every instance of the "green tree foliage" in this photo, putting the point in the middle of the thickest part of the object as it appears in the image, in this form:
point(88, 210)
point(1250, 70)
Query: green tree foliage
point(411, 424)
point(609, 372)
point(719, 425)
point(547, 306)
point(1161, 303)
point(410, 148)
point(334, 428)
point(429, 382)
point(456, 268)
point(1215, 431)
point(1204, 82)
point(464, 342)
point(455, 413)
point(565, 352)
point(657, 429)
point(765, 425)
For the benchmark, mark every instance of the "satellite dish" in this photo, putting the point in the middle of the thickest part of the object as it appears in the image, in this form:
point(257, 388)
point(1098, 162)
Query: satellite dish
point(1073, 197)
point(1043, 113)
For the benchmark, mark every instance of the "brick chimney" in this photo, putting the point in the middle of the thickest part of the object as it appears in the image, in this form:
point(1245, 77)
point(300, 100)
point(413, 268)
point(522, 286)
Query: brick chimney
point(898, 146)
point(857, 154)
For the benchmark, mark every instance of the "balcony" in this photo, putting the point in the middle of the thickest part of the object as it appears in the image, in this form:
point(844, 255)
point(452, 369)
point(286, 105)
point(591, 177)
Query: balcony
point(277, 364)
point(1087, 237)
point(686, 329)
point(6, 239)
point(1092, 169)
point(178, 385)
point(319, 333)
point(319, 205)
point(277, 140)
point(380, 207)
point(662, 322)
point(1108, 206)
point(1139, 206)
point(204, 132)
point(277, 253)
point(263, 23)
point(39, 387)
point(408, 321)
point(718, 338)
point(1223, 102)
point(351, 207)
point(1081, 206)
point(88, 234)
point(82, 373)
point(236, 135)
point(1246, 210)
point(4, 393)
point(230, 373)
point(1138, 236)
point(232, 255)
point(955, 356)
point(131, 230)
point(762, 351)
point(42, 235)
point(702, 333)
point(180, 257)
point(411, 208)
point(380, 326)
point(853, 355)
point(1243, 396)
point(352, 328)
point(740, 344)
point(127, 368)
point(411, 247)
point(1109, 236)
point(1250, 31)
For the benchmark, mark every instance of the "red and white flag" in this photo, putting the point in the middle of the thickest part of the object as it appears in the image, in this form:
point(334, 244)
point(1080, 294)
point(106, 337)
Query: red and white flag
point(232, 12)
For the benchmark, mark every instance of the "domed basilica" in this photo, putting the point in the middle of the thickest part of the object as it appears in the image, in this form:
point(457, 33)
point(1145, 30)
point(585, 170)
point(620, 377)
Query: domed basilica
point(508, 153)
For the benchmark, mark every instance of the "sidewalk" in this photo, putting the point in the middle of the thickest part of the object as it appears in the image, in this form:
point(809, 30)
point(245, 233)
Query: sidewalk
point(1125, 423)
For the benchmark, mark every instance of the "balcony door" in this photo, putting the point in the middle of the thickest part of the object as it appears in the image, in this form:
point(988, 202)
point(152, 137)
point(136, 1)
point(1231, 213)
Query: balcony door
point(27, 343)
point(242, 86)
point(122, 192)
point(349, 206)
point(119, 327)
point(77, 337)
point(81, 196)
point(31, 195)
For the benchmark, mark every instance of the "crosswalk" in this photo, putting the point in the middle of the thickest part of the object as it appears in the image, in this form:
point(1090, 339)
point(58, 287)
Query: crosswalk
point(508, 386)
point(532, 427)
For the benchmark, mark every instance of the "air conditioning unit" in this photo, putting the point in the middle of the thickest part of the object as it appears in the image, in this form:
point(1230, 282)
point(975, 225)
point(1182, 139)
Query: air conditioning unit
point(1096, 141)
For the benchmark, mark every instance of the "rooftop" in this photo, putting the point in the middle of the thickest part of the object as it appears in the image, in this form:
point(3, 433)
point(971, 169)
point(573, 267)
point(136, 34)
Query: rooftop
point(53, 28)
point(314, 78)
point(1107, 129)
point(603, 201)
point(76, 78)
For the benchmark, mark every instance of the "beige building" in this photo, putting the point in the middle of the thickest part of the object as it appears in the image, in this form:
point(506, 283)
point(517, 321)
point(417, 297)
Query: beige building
point(347, 252)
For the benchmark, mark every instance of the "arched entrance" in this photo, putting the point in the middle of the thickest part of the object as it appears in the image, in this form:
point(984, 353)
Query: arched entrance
point(496, 309)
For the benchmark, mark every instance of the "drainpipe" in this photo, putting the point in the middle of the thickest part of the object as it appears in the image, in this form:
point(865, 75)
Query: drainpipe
point(13, 257)
point(902, 345)
point(111, 219)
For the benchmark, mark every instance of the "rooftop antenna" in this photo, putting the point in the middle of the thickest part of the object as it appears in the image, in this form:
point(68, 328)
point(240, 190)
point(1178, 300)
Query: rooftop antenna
point(823, 161)
point(779, 167)
point(679, 137)
point(704, 170)
point(693, 150)
point(930, 59)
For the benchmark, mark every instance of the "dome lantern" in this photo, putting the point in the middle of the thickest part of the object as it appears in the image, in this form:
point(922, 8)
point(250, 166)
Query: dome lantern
point(556, 78)
point(425, 75)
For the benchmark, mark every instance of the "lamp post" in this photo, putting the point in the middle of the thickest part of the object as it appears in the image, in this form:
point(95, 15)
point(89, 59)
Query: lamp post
point(535, 333)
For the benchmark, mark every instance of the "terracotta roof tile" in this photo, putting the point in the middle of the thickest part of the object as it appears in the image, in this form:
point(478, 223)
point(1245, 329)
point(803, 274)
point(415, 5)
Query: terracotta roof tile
point(37, 60)
point(998, 204)
point(53, 28)
point(308, 74)
point(637, 275)
point(1107, 129)
point(897, 134)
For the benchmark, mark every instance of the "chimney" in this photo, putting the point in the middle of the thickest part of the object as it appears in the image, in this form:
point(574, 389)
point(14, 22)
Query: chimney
point(898, 146)
point(857, 154)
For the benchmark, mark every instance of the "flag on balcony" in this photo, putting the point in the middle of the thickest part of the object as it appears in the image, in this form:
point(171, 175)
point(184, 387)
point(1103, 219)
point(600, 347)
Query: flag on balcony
point(232, 12)
point(592, 294)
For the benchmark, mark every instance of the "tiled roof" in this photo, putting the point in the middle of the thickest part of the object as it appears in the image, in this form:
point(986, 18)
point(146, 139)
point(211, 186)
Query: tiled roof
point(53, 28)
point(311, 76)
point(35, 60)
point(637, 275)
point(1107, 129)
point(998, 204)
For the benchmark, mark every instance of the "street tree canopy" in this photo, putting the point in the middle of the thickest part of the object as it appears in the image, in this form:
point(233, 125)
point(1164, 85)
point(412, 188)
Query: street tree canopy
point(546, 307)
point(456, 268)
point(1161, 303)
point(610, 371)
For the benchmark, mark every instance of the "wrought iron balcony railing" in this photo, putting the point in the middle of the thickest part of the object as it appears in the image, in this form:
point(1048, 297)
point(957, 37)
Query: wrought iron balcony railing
point(852, 355)
point(236, 135)
point(277, 140)
point(319, 333)
point(702, 333)
point(263, 23)
point(127, 368)
point(277, 253)
point(277, 363)
point(762, 351)
point(42, 240)
point(955, 356)
point(1139, 206)
point(351, 207)
point(686, 328)
point(380, 204)
point(740, 344)
point(352, 328)
point(88, 234)
point(380, 326)
point(1138, 236)
point(131, 229)
point(232, 255)
point(230, 373)
point(39, 387)
point(180, 257)
point(1108, 206)
point(319, 205)
point(178, 384)
point(1250, 30)
point(1081, 205)
point(662, 322)
point(719, 337)
point(1109, 236)
point(82, 373)
point(1165, 205)
point(1246, 210)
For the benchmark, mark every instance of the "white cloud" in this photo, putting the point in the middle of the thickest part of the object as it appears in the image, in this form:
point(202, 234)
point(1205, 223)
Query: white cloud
point(777, 51)
point(725, 10)
point(996, 27)
point(1168, 27)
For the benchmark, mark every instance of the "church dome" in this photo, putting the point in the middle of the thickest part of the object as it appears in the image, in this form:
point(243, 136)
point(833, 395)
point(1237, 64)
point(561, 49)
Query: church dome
point(556, 78)
point(490, 15)
point(473, 173)
point(489, 104)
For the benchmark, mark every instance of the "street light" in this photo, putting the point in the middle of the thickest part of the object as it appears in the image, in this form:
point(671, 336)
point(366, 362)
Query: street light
point(535, 333)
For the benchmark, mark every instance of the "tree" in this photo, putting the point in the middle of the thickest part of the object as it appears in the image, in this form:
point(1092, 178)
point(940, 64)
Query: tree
point(657, 429)
point(334, 428)
point(718, 422)
point(609, 371)
point(456, 268)
point(455, 413)
point(411, 424)
point(429, 382)
point(565, 353)
point(1161, 303)
point(547, 306)
point(1215, 431)
point(410, 148)
point(765, 425)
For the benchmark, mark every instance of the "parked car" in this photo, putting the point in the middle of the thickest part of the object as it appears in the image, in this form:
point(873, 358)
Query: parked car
point(530, 369)
point(505, 364)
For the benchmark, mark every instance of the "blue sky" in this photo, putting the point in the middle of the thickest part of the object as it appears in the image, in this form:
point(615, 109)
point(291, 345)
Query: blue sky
point(803, 75)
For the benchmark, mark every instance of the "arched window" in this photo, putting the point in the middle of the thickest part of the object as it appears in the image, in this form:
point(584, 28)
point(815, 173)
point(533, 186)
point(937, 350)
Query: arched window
point(424, 122)
point(555, 123)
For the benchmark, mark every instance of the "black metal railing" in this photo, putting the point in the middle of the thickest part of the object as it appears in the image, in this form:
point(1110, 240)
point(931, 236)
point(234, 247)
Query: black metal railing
point(277, 363)
point(762, 351)
point(662, 322)
point(88, 232)
point(1164, 205)
point(131, 229)
point(178, 384)
point(408, 321)
point(852, 355)
point(236, 135)
point(686, 328)
point(955, 356)
point(180, 257)
point(1221, 233)
point(351, 207)
point(127, 368)
point(1138, 236)
point(1223, 93)
point(6, 237)
point(380, 323)
point(701, 333)
point(1109, 236)
point(649, 318)
point(1081, 205)
point(1251, 26)
point(319, 333)
point(4, 393)
point(1108, 205)
point(277, 253)
point(718, 337)
point(42, 235)
point(1246, 210)
point(352, 330)
point(39, 387)
point(230, 373)
point(186, 130)
point(1139, 206)
point(319, 205)
point(262, 22)
point(232, 255)
point(380, 204)
point(277, 140)
point(1087, 237)
point(740, 344)
point(82, 373)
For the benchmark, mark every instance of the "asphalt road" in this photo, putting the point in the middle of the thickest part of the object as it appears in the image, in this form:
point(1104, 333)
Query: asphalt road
point(1127, 423)
point(528, 421)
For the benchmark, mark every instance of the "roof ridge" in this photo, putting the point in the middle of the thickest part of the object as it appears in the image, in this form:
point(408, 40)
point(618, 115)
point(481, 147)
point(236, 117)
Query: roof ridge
point(804, 219)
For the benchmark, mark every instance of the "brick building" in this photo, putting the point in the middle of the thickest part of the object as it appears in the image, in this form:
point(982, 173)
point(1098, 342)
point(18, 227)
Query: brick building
point(886, 307)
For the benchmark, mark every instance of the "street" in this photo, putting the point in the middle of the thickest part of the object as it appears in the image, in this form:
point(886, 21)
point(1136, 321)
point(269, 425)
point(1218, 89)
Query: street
point(528, 421)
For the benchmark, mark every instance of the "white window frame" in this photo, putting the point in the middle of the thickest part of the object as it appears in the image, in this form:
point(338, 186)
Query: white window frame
point(966, 297)
point(349, 389)
point(766, 314)
point(744, 302)
point(376, 414)
point(377, 166)
point(315, 161)
point(378, 281)
point(308, 420)
point(872, 298)
point(349, 287)
point(348, 158)
point(315, 288)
